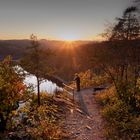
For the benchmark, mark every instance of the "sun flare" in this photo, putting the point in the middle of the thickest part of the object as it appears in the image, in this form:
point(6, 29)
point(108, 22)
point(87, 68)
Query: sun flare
point(69, 38)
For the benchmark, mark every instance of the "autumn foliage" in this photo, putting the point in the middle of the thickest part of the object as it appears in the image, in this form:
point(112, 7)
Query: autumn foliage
point(12, 90)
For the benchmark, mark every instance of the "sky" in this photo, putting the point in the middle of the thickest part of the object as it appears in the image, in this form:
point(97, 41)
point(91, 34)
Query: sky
point(58, 19)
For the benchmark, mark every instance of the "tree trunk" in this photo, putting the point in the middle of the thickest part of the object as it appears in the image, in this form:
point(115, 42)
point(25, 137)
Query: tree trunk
point(38, 91)
point(135, 79)
point(122, 73)
point(126, 74)
point(2, 123)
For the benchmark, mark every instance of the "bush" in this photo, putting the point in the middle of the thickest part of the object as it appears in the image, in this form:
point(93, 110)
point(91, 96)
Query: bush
point(33, 122)
point(122, 123)
point(12, 90)
point(106, 97)
point(44, 121)
point(91, 79)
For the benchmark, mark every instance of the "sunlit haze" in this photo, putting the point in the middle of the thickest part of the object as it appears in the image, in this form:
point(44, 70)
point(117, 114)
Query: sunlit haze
point(58, 19)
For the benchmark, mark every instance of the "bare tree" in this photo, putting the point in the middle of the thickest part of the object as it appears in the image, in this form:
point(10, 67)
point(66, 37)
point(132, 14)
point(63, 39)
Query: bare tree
point(36, 62)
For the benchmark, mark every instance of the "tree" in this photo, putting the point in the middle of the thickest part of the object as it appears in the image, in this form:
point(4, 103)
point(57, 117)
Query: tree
point(12, 90)
point(123, 48)
point(36, 62)
point(128, 27)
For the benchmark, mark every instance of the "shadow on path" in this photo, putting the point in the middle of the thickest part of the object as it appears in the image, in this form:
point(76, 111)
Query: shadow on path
point(82, 104)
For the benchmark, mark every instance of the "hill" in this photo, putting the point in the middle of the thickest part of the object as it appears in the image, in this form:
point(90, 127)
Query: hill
point(17, 48)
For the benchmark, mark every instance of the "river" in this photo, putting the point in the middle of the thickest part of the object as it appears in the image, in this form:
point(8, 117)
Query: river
point(45, 85)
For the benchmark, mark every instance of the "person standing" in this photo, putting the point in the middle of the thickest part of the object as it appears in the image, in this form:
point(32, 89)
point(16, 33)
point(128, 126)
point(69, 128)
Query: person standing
point(77, 79)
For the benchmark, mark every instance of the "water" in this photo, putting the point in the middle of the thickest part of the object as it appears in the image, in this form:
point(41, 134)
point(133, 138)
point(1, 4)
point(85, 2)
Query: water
point(45, 86)
point(30, 79)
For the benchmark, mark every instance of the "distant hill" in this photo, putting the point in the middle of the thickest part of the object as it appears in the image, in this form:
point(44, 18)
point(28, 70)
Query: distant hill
point(17, 48)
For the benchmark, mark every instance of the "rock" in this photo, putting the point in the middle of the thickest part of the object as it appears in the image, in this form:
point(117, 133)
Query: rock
point(88, 127)
point(77, 133)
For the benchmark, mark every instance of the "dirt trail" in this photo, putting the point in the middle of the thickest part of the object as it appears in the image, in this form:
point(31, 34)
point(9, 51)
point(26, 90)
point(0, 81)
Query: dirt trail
point(85, 123)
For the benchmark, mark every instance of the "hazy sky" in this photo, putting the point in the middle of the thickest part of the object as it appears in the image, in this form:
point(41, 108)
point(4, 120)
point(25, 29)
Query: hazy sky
point(58, 19)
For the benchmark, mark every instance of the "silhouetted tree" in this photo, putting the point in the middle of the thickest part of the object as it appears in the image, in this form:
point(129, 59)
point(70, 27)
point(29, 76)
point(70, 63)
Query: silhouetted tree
point(120, 58)
point(128, 27)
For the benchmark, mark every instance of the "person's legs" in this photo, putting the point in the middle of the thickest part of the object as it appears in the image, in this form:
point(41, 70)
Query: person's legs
point(78, 87)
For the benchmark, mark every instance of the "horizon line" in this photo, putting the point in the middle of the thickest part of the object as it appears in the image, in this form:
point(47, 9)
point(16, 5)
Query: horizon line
point(51, 40)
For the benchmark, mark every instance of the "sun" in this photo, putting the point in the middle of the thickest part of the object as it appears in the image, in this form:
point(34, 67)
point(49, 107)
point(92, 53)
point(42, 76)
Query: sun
point(69, 38)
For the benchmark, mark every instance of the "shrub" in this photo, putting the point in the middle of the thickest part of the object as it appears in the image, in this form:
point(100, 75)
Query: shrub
point(122, 123)
point(12, 90)
point(106, 97)
point(91, 79)
point(43, 122)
